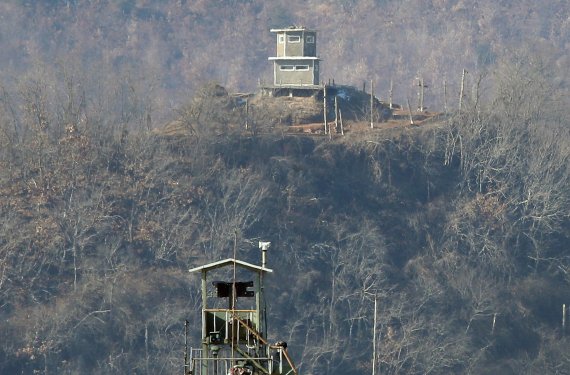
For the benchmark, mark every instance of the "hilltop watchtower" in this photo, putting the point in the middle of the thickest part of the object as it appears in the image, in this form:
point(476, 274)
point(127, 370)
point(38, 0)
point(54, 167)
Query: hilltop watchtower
point(296, 66)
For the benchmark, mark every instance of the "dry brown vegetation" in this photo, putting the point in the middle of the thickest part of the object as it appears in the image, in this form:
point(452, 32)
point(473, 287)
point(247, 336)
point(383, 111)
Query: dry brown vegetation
point(457, 227)
point(460, 227)
point(179, 45)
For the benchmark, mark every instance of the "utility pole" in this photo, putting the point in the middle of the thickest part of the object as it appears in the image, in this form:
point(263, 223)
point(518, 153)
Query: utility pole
point(445, 96)
point(335, 114)
point(246, 113)
point(391, 92)
point(410, 112)
point(325, 107)
point(421, 87)
point(371, 104)
point(563, 318)
point(419, 94)
point(462, 89)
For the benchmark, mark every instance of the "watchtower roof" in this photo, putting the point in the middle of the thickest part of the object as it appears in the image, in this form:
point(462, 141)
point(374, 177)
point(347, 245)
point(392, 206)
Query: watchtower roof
point(290, 28)
point(293, 58)
point(230, 261)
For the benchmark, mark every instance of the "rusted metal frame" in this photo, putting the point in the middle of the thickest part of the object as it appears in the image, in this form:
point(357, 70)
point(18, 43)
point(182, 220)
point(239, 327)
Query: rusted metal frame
point(253, 360)
point(289, 361)
point(253, 331)
point(224, 358)
point(224, 310)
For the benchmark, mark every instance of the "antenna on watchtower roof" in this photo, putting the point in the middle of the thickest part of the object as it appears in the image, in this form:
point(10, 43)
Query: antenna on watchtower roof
point(234, 297)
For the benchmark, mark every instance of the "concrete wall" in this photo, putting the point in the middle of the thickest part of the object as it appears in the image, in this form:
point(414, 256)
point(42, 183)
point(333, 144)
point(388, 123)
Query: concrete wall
point(297, 43)
point(296, 72)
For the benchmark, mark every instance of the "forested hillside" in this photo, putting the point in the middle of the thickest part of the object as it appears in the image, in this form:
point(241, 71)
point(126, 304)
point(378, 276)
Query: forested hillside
point(459, 227)
point(176, 46)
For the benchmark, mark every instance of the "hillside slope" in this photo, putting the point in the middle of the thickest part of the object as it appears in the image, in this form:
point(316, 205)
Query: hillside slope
point(175, 46)
point(459, 230)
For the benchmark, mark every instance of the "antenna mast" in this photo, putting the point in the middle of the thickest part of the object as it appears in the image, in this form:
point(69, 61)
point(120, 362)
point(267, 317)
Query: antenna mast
point(374, 337)
point(234, 297)
point(186, 365)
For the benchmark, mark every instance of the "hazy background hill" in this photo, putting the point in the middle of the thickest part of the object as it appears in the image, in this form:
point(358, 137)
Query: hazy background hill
point(179, 45)
point(459, 227)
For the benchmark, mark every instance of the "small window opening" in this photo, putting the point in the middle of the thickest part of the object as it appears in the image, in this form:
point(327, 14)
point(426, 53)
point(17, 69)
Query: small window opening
point(294, 39)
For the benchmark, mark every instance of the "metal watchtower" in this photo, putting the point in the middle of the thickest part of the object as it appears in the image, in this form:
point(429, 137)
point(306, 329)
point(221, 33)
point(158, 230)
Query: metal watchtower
point(234, 328)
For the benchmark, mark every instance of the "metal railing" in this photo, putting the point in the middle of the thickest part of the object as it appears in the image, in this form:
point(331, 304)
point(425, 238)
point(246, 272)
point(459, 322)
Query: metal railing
point(248, 348)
